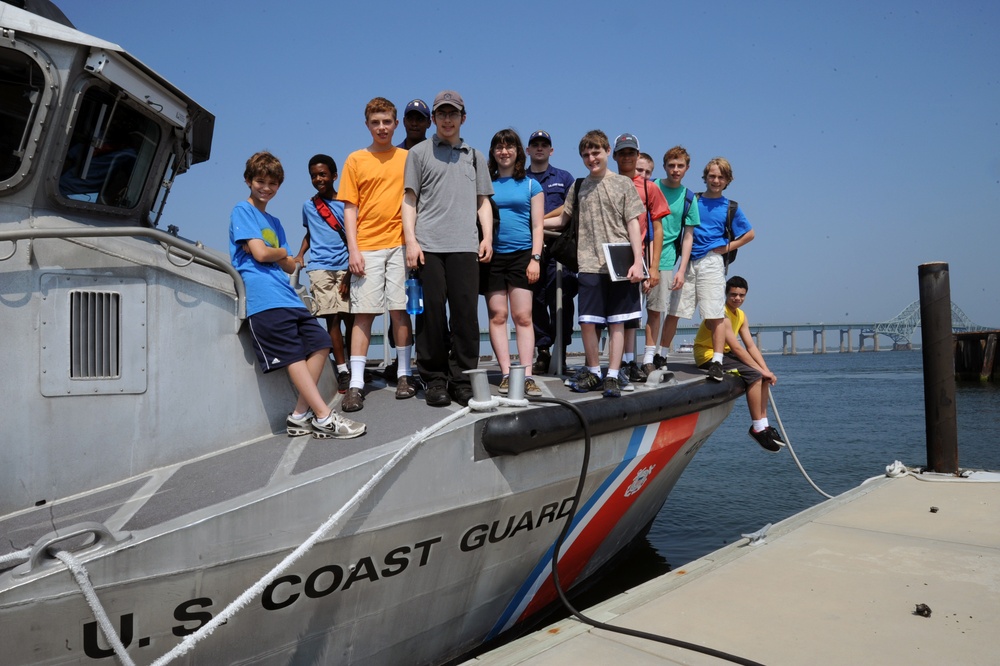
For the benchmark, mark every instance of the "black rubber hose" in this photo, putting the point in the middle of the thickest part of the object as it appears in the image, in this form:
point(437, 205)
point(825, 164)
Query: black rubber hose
point(565, 532)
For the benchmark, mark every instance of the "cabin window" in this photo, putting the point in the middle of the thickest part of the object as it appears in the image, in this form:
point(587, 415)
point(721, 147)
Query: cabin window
point(21, 87)
point(110, 152)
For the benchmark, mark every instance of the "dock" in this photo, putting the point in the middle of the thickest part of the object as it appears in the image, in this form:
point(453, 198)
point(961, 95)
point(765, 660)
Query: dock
point(839, 583)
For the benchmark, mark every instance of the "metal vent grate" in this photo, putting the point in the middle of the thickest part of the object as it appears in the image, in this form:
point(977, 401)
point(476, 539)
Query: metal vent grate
point(95, 334)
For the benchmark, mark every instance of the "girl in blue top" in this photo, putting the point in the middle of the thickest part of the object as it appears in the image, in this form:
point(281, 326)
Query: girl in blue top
point(517, 248)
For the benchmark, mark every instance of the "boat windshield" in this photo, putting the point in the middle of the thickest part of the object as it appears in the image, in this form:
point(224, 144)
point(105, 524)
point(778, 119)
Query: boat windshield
point(110, 152)
point(21, 85)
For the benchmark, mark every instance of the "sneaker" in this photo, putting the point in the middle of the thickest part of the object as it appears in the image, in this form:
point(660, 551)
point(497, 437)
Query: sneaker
point(354, 401)
point(649, 368)
point(659, 361)
point(764, 439)
point(611, 388)
point(405, 387)
point(436, 395)
point(504, 385)
point(623, 381)
point(775, 435)
point(531, 389)
point(635, 373)
point(576, 377)
point(297, 427)
point(337, 427)
point(542, 362)
point(461, 394)
point(343, 381)
point(715, 371)
point(588, 382)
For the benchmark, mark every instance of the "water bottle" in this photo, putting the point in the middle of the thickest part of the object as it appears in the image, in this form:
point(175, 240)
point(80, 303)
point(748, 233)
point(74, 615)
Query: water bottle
point(414, 295)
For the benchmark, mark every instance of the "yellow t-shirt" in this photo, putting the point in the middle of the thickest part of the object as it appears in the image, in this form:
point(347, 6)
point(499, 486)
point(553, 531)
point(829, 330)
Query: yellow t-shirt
point(703, 339)
point(374, 183)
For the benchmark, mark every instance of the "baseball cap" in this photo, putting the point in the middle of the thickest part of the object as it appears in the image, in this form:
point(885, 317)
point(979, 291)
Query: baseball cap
point(540, 134)
point(626, 141)
point(418, 105)
point(449, 97)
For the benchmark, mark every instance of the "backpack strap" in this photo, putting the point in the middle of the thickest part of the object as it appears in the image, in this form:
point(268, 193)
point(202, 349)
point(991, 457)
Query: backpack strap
point(689, 197)
point(728, 257)
point(649, 216)
point(324, 212)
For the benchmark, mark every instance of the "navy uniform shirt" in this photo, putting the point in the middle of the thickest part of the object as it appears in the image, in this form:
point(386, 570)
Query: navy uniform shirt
point(555, 183)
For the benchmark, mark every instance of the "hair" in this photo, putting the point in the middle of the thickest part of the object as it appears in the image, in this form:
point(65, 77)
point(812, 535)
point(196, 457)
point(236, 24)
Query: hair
point(507, 137)
point(648, 157)
point(595, 139)
point(325, 160)
point(676, 153)
point(264, 164)
point(379, 105)
point(725, 169)
point(736, 282)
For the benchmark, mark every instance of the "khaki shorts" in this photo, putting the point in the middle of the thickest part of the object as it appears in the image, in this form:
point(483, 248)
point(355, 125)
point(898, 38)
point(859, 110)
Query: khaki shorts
point(704, 287)
point(382, 286)
point(659, 296)
point(325, 289)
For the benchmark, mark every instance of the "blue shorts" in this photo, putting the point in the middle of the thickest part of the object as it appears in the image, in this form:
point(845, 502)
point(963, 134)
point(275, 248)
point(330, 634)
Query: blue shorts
point(605, 302)
point(282, 336)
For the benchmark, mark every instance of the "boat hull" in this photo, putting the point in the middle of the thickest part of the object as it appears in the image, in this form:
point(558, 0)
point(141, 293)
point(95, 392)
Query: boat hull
point(387, 587)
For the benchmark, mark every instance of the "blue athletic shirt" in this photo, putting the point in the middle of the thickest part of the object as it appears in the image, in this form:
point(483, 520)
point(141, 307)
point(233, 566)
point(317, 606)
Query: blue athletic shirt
point(327, 250)
point(267, 285)
point(513, 199)
point(711, 232)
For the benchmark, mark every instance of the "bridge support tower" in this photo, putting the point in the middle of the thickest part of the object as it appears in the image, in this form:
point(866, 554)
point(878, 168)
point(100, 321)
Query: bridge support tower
point(785, 335)
point(845, 334)
point(821, 334)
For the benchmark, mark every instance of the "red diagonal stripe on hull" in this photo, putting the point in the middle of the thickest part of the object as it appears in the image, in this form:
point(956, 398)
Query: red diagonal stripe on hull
point(670, 437)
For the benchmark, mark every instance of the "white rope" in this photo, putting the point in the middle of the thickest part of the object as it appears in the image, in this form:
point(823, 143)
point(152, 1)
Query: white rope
point(17, 556)
point(896, 470)
point(240, 602)
point(83, 580)
point(80, 573)
point(788, 442)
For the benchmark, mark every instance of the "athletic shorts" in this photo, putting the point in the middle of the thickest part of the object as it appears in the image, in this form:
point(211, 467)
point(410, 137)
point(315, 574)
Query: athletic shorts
point(730, 363)
point(505, 272)
point(324, 286)
point(704, 288)
point(282, 336)
point(602, 301)
point(382, 286)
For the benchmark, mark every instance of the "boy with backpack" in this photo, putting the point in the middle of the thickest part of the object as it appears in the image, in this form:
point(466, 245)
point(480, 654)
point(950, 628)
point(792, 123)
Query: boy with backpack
point(678, 230)
point(722, 229)
point(326, 242)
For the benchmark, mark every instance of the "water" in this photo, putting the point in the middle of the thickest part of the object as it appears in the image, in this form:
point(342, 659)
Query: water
point(848, 416)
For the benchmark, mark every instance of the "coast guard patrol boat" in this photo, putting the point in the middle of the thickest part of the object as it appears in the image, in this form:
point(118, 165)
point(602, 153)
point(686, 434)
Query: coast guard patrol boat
point(152, 509)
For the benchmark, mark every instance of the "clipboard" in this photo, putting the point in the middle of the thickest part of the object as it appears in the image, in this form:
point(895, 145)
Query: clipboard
point(619, 258)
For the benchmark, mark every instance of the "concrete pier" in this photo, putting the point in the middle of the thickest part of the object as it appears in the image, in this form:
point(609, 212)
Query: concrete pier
point(836, 584)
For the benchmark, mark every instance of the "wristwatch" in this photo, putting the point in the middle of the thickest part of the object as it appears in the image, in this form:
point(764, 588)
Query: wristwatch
point(536, 257)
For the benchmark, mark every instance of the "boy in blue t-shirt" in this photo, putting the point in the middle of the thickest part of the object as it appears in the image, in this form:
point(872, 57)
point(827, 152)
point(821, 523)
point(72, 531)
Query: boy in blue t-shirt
point(284, 333)
point(329, 279)
point(705, 279)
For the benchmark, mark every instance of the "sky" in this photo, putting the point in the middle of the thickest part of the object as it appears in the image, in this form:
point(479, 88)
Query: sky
point(864, 136)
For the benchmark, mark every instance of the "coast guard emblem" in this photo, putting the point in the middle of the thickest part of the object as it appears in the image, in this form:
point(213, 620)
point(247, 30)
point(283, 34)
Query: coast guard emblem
point(639, 481)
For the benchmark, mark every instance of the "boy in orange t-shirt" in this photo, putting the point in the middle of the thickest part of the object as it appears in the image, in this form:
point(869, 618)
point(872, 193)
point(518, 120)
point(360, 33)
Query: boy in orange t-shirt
point(371, 188)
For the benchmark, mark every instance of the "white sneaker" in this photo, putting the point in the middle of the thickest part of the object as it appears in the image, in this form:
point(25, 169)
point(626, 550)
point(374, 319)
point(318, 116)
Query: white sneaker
point(337, 427)
point(297, 427)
